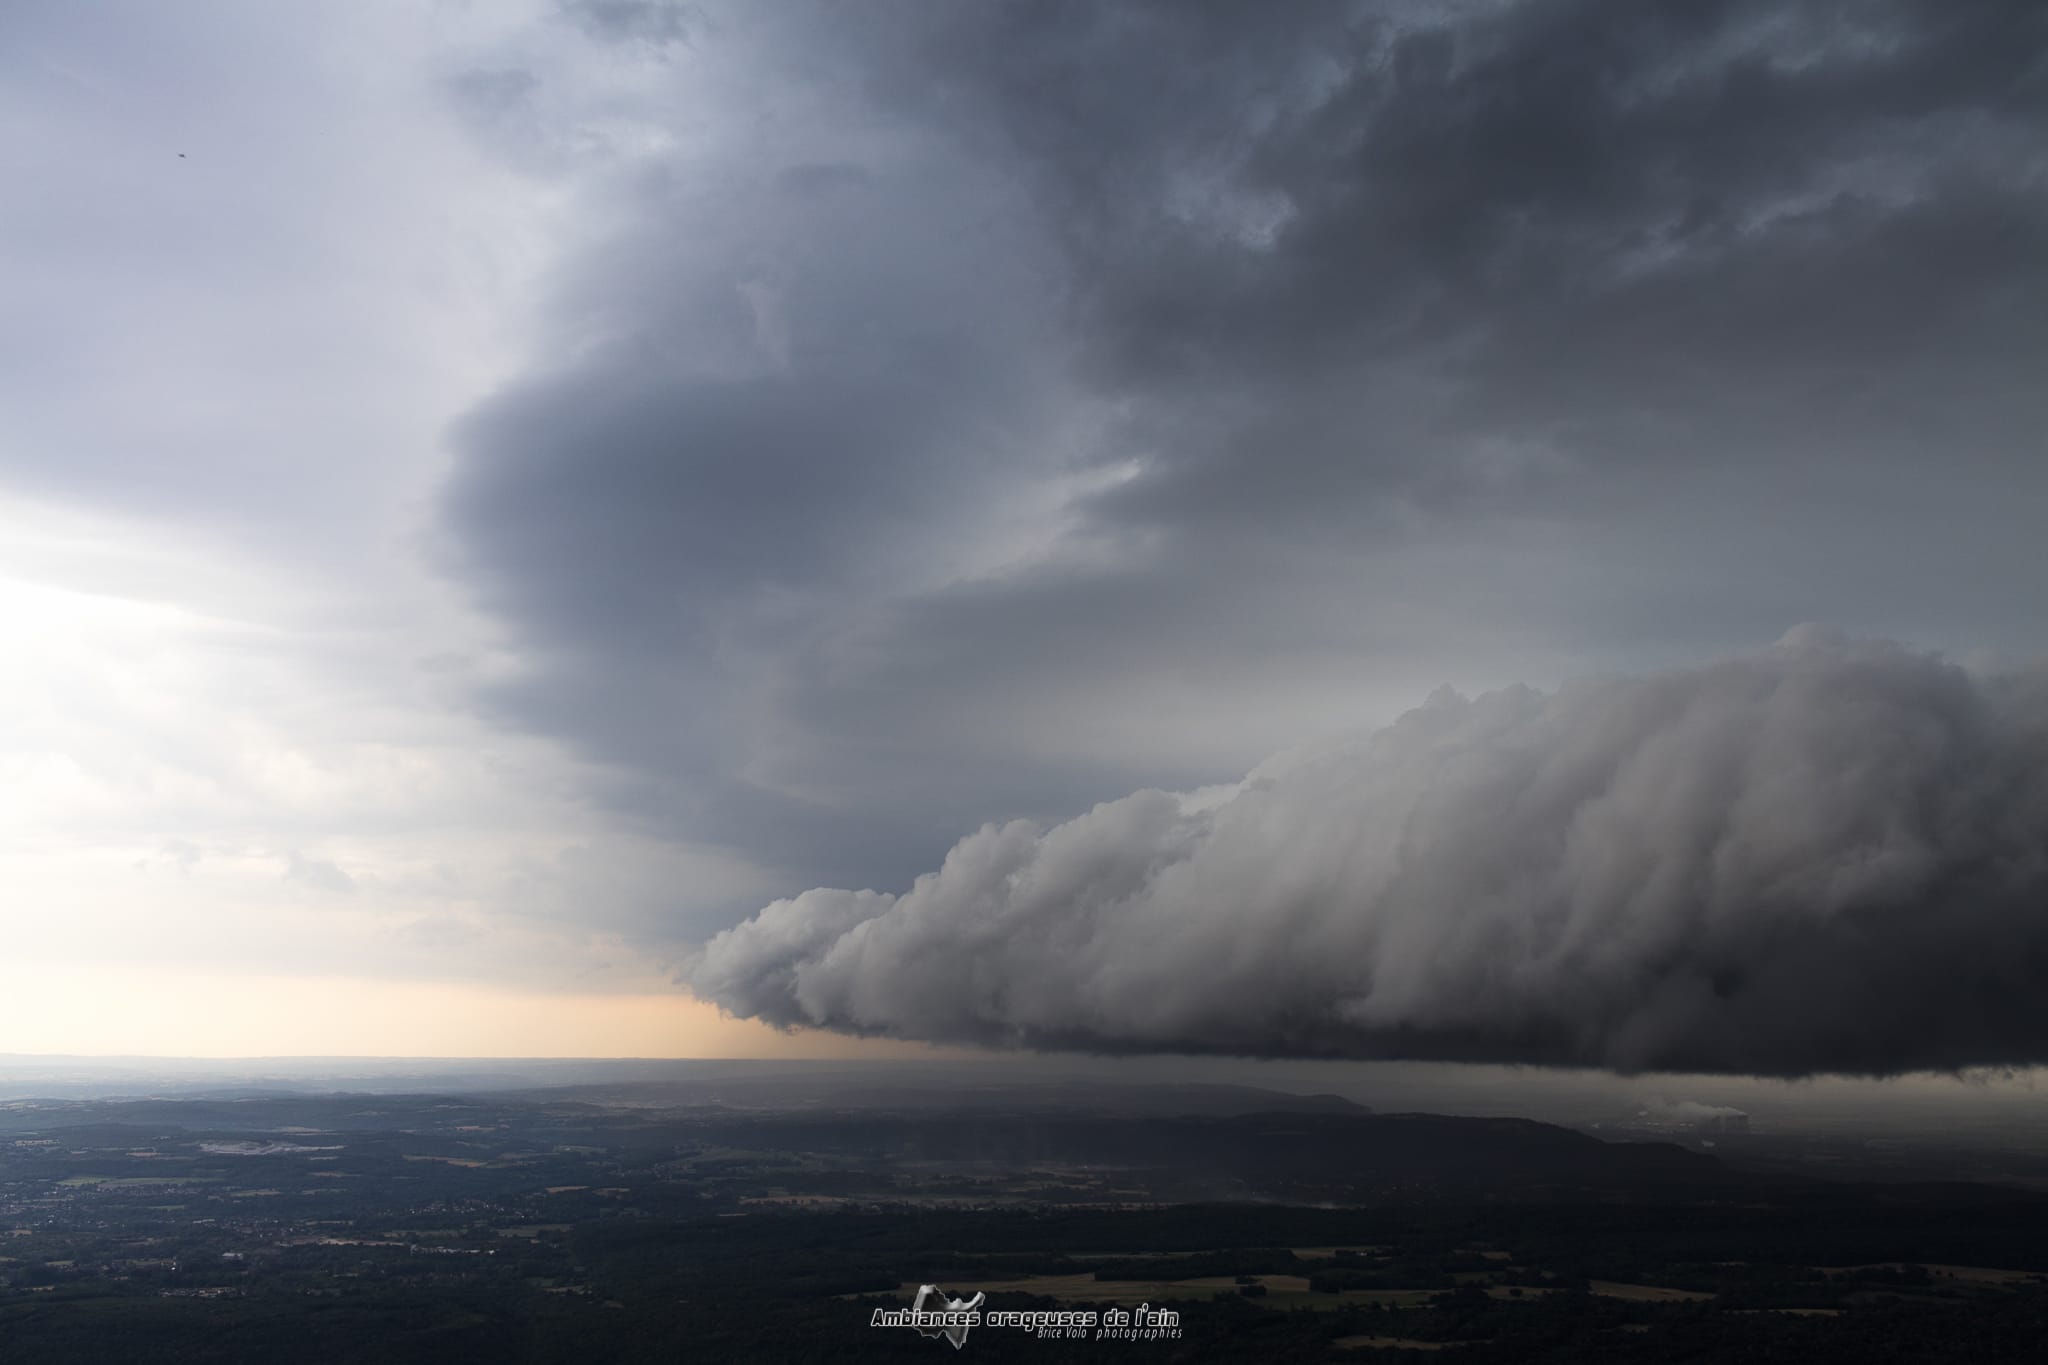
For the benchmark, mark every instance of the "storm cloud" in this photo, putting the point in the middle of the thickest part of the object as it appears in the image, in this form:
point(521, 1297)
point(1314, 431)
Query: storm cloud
point(1826, 856)
point(980, 410)
point(507, 491)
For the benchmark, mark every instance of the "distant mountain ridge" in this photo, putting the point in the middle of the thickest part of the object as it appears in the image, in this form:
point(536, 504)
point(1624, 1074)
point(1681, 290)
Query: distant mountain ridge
point(1301, 1155)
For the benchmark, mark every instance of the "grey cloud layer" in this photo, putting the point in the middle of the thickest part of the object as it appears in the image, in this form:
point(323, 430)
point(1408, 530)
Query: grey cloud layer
point(1826, 856)
point(995, 407)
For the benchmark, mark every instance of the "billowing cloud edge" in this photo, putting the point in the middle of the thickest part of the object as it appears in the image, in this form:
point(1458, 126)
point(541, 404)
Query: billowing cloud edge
point(1829, 855)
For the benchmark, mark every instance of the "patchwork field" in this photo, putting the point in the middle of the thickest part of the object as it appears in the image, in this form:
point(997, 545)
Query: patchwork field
point(1642, 1293)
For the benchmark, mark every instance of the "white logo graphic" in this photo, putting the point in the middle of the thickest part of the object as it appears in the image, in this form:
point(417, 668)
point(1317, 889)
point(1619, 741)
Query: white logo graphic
point(960, 1314)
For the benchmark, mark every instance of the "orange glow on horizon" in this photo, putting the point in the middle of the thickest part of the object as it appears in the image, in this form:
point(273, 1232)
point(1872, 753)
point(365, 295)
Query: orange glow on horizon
point(128, 1011)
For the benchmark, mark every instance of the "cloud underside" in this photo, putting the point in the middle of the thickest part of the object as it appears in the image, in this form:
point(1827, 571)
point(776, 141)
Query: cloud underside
point(1049, 400)
point(1827, 856)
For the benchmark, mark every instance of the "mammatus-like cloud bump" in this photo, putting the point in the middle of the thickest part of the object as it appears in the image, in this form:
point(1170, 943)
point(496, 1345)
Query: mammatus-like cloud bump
point(1827, 856)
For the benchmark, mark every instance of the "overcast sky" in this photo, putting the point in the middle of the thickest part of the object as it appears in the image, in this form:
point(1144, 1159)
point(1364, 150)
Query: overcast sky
point(495, 494)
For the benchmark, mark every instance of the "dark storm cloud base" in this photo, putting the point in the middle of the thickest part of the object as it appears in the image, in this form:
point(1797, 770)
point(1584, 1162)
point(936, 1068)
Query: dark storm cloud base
point(1829, 856)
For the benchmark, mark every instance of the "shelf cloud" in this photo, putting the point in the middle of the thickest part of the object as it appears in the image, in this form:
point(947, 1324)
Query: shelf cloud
point(1830, 855)
point(502, 493)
